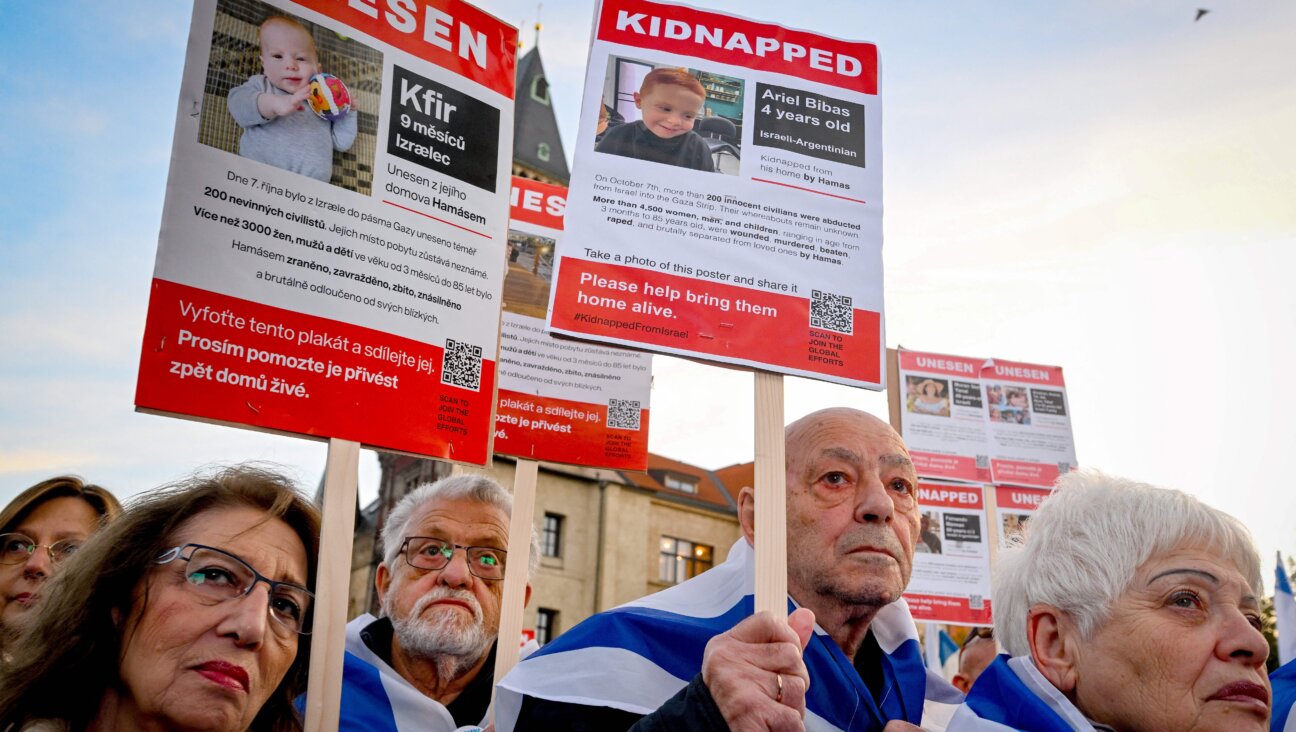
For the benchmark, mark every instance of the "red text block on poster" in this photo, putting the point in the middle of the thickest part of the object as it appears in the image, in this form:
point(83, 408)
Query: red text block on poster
point(221, 358)
point(681, 314)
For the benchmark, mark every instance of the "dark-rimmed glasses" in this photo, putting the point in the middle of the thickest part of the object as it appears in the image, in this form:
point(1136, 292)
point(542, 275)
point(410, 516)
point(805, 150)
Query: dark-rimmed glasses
point(18, 548)
point(987, 633)
point(217, 575)
point(430, 552)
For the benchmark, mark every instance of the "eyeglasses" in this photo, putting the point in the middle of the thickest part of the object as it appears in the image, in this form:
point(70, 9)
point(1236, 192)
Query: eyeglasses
point(428, 552)
point(987, 633)
point(218, 576)
point(18, 548)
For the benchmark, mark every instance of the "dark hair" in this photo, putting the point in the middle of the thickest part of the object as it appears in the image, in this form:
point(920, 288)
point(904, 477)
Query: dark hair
point(64, 486)
point(70, 655)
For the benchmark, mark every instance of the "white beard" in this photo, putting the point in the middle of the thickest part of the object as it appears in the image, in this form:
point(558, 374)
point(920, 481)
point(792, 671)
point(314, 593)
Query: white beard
point(445, 633)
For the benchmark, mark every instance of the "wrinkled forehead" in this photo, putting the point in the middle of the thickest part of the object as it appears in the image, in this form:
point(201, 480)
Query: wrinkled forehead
point(858, 438)
point(461, 520)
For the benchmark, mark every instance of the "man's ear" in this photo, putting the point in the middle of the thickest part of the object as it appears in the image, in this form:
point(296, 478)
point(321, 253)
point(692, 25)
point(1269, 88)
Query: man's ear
point(747, 513)
point(382, 580)
point(960, 682)
point(1055, 644)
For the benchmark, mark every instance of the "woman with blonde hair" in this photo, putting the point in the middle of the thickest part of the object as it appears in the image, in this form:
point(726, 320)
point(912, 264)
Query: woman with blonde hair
point(39, 530)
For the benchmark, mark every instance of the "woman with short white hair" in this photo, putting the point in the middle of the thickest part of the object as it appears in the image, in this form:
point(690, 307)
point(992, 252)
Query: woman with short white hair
point(1128, 608)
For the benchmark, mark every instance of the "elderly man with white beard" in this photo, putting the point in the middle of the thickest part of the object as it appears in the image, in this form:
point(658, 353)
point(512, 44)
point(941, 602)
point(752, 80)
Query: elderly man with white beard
point(427, 663)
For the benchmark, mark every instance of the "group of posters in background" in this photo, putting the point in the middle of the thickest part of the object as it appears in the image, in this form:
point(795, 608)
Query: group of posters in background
point(979, 420)
point(969, 422)
point(951, 569)
point(337, 277)
point(751, 235)
point(561, 400)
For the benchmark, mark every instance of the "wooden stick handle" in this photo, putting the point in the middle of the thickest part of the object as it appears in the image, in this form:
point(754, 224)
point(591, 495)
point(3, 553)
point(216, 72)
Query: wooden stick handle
point(515, 572)
point(332, 585)
point(771, 497)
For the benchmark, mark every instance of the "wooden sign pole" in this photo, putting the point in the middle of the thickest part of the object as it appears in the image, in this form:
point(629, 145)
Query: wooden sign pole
point(516, 570)
point(771, 497)
point(332, 586)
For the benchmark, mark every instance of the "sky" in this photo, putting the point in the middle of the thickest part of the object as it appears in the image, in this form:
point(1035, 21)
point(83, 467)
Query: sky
point(1105, 186)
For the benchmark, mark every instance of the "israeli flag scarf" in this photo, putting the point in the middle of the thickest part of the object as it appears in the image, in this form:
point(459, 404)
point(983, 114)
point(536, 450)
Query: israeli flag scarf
point(637, 656)
point(1284, 698)
point(1011, 695)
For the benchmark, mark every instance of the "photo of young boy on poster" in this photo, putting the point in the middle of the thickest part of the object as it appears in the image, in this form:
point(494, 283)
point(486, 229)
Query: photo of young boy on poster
point(258, 96)
point(664, 112)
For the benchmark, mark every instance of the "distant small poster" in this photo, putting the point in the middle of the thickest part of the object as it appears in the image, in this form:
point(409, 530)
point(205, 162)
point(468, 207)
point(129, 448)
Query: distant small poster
point(942, 415)
point(951, 572)
point(1028, 423)
point(561, 400)
point(1014, 508)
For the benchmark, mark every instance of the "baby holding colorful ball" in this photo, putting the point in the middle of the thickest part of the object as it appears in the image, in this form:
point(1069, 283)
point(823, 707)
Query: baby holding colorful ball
point(293, 116)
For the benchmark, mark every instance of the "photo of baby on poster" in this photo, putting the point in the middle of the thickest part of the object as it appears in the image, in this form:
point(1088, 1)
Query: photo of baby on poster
point(274, 95)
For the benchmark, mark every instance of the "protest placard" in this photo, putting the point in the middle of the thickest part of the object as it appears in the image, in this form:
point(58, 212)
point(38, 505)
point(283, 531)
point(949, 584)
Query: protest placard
point(951, 570)
point(561, 400)
point(332, 249)
point(1014, 507)
point(726, 198)
point(1028, 434)
point(942, 415)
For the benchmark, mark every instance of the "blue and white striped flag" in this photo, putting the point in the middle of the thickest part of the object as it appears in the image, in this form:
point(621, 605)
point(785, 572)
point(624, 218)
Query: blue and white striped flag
point(1284, 615)
point(1012, 696)
point(637, 656)
point(1284, 697)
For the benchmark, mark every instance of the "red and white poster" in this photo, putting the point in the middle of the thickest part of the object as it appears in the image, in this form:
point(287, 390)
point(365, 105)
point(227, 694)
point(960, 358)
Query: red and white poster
point(1014, 508)
point(942, 415)
point(951, 572)
point(561, 400)
point(332, 249)
point(726, 198)
point(1028, 424)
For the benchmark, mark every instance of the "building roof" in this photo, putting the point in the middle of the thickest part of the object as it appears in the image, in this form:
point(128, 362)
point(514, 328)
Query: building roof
point(536, 142)
point(670, 479)
point(737, 476)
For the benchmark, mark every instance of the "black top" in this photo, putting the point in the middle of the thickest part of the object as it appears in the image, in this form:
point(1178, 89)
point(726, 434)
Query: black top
point(469, 708)
point(691, 710)
point(634, 140)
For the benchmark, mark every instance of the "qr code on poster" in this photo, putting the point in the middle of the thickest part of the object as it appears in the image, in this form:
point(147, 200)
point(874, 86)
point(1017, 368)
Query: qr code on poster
point(976, 602)
point(623, 414)
point(831, 312)
point(461, 365)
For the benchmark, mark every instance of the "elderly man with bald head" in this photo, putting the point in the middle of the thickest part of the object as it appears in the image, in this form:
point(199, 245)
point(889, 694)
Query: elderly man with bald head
point(695, 657)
